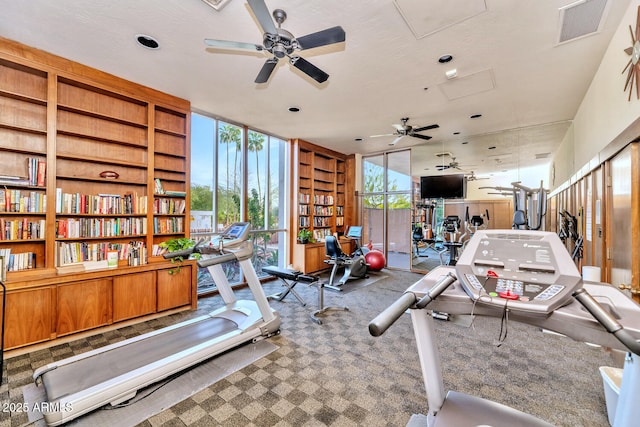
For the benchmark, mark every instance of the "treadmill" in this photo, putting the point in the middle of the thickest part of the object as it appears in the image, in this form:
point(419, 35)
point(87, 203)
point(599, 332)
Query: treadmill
point(113, 374)
point(524, 276)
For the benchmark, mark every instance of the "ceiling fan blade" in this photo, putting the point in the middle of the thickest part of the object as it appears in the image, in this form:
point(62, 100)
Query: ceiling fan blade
point(395, 141)
point(225, 44)
point(416, 135)
point(384, 134)
point(263, 16)
point(309, 69)
point(322, 38)
point(266, 70)
point(434, 126)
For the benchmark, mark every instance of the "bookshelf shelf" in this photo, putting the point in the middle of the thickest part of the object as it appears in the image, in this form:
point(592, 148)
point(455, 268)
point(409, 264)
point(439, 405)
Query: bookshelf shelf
point(96, 137)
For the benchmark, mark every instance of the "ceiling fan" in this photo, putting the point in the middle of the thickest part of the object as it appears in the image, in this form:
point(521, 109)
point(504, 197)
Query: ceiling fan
point(473, 177)
point(453, 164)
point(280, 43)
point(404, 129)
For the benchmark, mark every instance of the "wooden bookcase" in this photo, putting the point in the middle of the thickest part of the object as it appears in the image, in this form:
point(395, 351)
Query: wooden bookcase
point(81, 151)
point(322, 203)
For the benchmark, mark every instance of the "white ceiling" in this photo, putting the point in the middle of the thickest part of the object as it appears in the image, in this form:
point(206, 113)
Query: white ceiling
point(510, 68)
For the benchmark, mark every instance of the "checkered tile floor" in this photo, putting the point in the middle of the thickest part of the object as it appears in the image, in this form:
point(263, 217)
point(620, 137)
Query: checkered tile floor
point(337, 374)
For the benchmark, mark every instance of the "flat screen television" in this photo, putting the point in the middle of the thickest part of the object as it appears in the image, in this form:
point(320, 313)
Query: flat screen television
point(443, 187)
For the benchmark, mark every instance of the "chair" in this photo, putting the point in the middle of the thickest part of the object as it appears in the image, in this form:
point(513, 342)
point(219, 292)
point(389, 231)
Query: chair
point(333, 251)
point(418, 237)
point(519, 219)
point(355, 266)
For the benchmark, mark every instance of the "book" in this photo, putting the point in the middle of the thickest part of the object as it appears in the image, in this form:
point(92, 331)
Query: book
point(158, 186)
point(41, 173)
point(112, 259)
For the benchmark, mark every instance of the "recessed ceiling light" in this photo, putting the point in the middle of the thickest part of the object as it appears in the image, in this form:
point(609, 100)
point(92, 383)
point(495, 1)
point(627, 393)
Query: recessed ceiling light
point(493, 147)
point(475, 116)
point(445, 58)
point(465, 142)
point(358, 139)
point(147, 41)
point(456, 133)
point(294, 109)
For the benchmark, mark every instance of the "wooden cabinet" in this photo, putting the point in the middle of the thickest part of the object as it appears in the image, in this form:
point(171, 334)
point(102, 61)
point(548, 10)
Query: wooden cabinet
point(134, 295)
point(83, 305)
point(311, 256)
point(29, 317)
point(323, 202)
point(174, 289)
point(81, 152)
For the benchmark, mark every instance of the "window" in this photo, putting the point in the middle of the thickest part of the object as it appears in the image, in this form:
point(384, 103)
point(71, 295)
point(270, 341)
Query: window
point(250, 184)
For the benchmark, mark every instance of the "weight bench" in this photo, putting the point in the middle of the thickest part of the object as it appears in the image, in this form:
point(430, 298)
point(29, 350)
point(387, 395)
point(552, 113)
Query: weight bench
point(290, 279)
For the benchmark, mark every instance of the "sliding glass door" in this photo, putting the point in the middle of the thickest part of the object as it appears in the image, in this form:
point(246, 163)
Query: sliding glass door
point(386, 206)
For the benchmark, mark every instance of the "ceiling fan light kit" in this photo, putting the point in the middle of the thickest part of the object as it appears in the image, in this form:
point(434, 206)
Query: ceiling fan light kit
point(281, 43)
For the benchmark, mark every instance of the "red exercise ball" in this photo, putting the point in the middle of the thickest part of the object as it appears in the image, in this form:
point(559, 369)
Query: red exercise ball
point(376, 260)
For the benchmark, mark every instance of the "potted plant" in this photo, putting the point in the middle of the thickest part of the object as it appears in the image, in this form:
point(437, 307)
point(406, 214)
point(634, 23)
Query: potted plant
point(178, 245)
point(304, 236)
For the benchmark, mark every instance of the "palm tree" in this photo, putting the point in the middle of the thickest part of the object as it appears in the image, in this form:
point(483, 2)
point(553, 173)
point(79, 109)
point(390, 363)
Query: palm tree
point(228, 135)
point(256, 144)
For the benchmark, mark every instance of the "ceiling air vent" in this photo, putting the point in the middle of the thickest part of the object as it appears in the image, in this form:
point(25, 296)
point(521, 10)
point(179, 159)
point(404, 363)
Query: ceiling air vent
point(581, 19)
point(216, 4)
point(444, 154)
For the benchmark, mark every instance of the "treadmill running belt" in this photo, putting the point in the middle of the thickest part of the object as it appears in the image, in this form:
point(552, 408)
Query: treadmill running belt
point(96, 369)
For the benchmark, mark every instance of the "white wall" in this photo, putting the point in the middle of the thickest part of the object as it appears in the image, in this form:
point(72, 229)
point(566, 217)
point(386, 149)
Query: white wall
point(605, 112)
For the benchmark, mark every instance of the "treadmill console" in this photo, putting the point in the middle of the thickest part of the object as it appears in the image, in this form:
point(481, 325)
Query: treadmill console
point(237, 231)
point(530, 271)
point(231, 237)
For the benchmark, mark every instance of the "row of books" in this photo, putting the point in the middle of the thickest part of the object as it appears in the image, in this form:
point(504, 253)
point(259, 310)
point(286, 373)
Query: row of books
point(303, 209)
point(159, 189)
point(22, 201)
point(323, 210)
point(320, 199)
point(321, 233)
point(169, 206)
point(168, 225)
point(36, 174)
point(100, 227)
point(76, 252)
point(100, 204)
point(303, 198)
point(321, 221)
point(22, 229)
point(304, 221)
point(16, 262)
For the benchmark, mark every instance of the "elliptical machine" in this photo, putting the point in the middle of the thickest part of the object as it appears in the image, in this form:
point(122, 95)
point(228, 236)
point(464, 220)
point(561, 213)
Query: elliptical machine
point(355, 265)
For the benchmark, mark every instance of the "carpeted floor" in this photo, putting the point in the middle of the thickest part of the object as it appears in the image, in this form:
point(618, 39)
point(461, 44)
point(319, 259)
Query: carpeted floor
point(337, 374)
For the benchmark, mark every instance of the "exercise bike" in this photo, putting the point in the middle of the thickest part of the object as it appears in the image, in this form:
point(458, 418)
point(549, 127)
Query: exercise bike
point(355, 265)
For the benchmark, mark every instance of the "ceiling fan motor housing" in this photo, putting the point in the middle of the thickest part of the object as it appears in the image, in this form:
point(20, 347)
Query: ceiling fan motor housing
point(280, 44)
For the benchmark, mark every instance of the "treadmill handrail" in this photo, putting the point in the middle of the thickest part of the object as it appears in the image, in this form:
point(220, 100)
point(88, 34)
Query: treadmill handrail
point(607, 320)
point(388, 317)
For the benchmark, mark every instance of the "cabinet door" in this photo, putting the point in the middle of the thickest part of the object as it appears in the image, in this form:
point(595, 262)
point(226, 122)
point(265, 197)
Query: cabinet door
point(134, 295)
point(314, 258)
point(174, 290)
point(84, 305)
point(28, 317)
